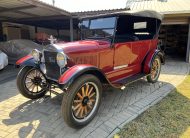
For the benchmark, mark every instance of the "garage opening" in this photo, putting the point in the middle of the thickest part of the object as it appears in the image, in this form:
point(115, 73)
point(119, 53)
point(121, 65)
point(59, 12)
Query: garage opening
point(173, 41)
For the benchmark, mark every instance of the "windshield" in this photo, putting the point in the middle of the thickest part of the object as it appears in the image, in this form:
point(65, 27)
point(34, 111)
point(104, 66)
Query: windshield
point(98, 28)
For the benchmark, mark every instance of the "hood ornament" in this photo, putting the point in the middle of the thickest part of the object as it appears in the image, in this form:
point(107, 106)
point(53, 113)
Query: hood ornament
point(52, 39)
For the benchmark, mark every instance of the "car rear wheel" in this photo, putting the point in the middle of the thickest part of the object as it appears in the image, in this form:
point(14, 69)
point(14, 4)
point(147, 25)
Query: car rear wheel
point(82, 100)
point(31, 83)
point(155, 70)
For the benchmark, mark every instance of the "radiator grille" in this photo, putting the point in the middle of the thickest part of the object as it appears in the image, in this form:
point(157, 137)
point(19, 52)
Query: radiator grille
point(52, 68)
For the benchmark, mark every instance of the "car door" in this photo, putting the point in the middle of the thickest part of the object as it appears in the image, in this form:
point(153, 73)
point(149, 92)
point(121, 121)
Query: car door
point(121, 61)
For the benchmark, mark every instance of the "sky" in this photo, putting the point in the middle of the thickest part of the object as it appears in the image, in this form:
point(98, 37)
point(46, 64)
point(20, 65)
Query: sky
point(88, 5)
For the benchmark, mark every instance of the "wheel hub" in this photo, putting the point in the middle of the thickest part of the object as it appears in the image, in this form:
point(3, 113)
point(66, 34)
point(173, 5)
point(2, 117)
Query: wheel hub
point(85, 101)
point(37, 80)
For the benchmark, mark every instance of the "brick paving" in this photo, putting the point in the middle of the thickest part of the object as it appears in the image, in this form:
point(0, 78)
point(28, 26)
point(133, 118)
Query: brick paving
point(21, 117)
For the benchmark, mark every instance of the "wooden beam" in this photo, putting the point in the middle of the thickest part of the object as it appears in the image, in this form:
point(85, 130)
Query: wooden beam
point(170, 15)
point(3, 9)
point(188, 46)
point(7, 18)
point(47, 7)
point(17, 10)
point(42, 18)
point(175, 20)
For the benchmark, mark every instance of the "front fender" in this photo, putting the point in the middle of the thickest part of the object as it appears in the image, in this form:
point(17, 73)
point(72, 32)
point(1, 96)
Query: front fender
point(26, 61)
point(74, 72)
point(149, 59)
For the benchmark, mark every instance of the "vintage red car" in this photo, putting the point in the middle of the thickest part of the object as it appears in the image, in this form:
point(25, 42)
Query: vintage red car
point(115, 49)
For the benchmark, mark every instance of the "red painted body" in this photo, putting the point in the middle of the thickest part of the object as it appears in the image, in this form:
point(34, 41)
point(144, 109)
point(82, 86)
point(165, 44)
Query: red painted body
point(20, 61)
point(101, 55)
point(71, 72)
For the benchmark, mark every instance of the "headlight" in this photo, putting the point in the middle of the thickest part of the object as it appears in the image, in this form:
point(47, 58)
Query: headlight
point(61, 59)
point(36, 54)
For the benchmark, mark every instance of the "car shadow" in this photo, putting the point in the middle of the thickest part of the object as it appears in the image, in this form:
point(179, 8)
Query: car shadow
point(8, 73)
point(8, 82)
point(35, 111)
point(42, 117)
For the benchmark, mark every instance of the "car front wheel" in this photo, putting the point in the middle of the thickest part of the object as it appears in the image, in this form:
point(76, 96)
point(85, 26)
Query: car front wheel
point(31, 83)
point(155, 70)
point(81, 101)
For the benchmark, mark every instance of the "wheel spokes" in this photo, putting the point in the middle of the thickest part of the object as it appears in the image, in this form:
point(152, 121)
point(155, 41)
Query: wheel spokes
point(89, 105)
point(83, 92)
point(90, 96)
point(77, 101)
point(30, 86)
point(84, 101)
point(79, 95)
point(76, 107)
point(79, 110)
point(34, 81)
point(33, 87)
point(85, 110)
point(90, 91)
point(87, 87)
point(155, 68)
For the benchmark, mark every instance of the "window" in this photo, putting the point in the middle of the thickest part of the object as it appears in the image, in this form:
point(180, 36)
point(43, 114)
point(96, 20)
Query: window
point(134, 28)
point(140, 25)
point(102, 23)
point(99, 28)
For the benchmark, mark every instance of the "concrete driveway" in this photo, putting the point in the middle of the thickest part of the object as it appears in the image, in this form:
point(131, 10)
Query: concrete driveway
point(21, 117)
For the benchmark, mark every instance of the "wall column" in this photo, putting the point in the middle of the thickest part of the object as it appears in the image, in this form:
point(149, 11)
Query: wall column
point(188, 46)
point(36, 29)
point(1, 31)
point(71, 29)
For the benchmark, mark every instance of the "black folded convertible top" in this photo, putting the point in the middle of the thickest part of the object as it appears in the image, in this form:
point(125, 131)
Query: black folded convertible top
point(145, 13)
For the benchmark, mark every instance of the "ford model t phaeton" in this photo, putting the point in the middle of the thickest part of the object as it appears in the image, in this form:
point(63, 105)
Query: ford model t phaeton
point(114, 49)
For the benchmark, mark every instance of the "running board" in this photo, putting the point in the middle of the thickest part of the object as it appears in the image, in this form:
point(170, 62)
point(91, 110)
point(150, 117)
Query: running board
point(129, 80)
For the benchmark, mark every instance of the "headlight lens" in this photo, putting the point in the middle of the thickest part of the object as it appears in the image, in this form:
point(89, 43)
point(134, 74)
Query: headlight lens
point(61, 59)
point(36, 54)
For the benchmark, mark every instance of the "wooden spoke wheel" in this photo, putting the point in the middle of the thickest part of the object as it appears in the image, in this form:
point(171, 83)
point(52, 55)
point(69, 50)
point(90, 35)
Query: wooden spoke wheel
point(34, 81)
point(81, 101)
point(85, 100)
point(31, 83)
point(155, 70)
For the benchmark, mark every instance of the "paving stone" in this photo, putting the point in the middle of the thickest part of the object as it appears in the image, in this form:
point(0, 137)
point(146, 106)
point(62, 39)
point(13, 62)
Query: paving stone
point(3, 133)
point(116, 130)
point(100, 133)
point(22, 117)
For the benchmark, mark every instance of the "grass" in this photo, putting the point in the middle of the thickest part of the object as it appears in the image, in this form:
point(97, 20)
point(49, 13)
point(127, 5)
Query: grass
point(168, 119)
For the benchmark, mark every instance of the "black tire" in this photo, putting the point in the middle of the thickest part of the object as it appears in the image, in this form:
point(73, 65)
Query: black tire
point(21, 85)
point(150, 78)
point(69, 98)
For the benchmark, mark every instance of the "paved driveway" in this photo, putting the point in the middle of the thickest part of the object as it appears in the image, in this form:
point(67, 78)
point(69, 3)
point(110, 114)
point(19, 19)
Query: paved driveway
point(21, 117)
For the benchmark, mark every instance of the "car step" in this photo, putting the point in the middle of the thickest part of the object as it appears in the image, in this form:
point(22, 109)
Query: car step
point(129, 80)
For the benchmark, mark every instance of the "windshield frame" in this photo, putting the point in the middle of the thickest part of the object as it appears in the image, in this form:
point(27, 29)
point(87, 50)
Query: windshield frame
point(112, 37)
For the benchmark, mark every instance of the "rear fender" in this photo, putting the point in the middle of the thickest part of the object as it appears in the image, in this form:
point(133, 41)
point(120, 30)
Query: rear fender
point(149, 59)
point(76, 71)
point(26, 61)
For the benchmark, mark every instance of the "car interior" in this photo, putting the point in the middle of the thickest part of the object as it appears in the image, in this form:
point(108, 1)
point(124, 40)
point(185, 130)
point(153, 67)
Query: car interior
point(131, 28)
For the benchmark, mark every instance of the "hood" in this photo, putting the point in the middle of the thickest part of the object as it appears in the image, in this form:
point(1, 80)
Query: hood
point(82, 46)
point(81, 52)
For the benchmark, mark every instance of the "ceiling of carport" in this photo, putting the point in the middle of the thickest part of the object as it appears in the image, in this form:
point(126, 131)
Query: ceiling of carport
point(34, 12)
